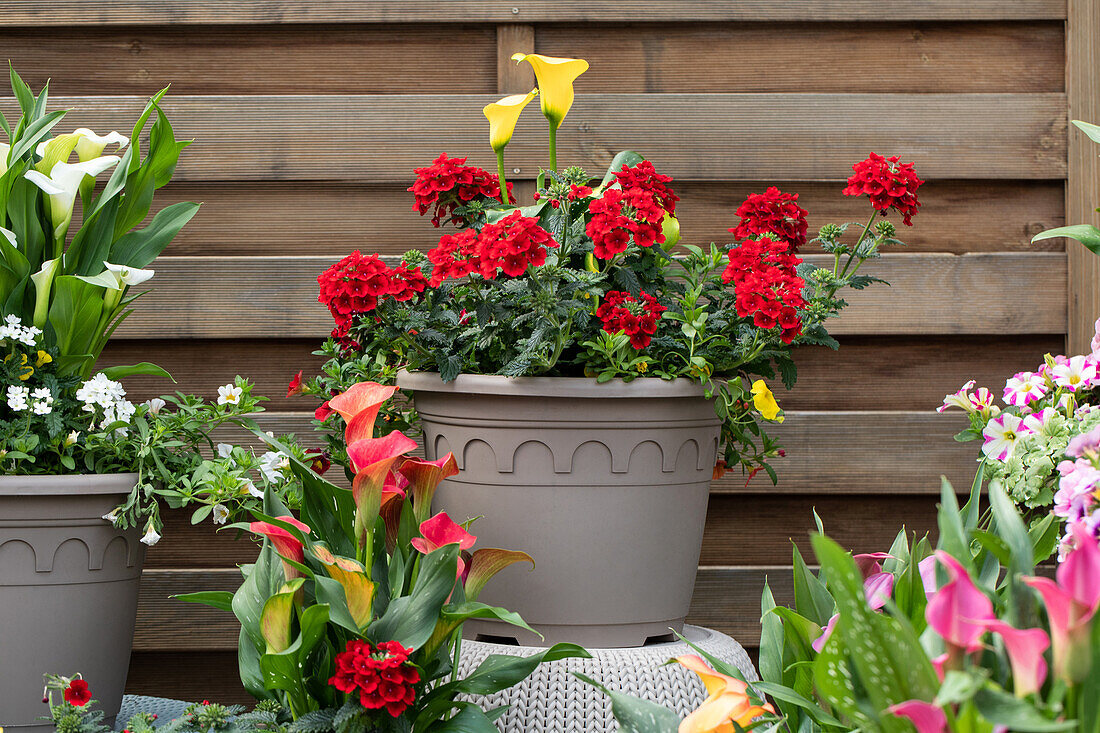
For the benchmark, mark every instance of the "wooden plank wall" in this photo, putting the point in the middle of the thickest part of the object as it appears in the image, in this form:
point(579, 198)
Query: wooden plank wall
point(309, 117)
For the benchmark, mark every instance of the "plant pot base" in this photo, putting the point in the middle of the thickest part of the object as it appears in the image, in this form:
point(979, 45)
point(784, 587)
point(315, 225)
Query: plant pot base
point(604, 635)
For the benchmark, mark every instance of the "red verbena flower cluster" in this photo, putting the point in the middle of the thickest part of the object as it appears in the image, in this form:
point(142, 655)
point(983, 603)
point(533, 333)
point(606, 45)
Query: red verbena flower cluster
point(772, 212)
point(766, 285)
point(355, 284)
point(888, 183)
point(449, 183)
point(621, 311)
point(509, 246)
point(636, 209)
point(380, 674)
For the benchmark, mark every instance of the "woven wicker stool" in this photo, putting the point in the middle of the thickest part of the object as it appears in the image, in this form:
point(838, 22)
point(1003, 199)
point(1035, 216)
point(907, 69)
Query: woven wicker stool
point(165, 709)
point(552, 700)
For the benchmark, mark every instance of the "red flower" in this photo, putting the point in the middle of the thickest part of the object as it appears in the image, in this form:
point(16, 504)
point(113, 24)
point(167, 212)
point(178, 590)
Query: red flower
point(454, 257)
point(449, 183)
point(772, 212)
point(511, 245)
point(767, 287)
point(77, 693)
point(318, 460)
point(295, 387)
point(406, 283)
point(381, 674)
point(621, 311)
point(578, 192)
point(322, 412)
point(635, 210)
point(888, 183)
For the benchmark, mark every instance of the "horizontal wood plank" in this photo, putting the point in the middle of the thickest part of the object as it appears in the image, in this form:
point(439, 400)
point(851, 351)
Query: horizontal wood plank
point(253, 59)
point(726, 599)
point(234, 297)
point(851, 453)
point(741, 529)
point(188, 675)
point(382, 138)
point(157, 12)
point(333, 219)
point(842, 57)
point(867, 373)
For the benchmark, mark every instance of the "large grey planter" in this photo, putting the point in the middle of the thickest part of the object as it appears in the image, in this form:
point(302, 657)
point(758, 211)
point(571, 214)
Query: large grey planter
point(605, 485)
point(68, 590)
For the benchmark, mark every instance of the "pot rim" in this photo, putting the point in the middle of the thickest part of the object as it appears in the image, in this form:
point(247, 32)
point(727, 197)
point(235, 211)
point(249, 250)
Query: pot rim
point(75, 484)
point(567, 387)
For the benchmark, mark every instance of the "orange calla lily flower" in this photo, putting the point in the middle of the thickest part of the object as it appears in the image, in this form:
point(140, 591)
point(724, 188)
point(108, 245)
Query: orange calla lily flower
point(727, 701)
point(359, 407)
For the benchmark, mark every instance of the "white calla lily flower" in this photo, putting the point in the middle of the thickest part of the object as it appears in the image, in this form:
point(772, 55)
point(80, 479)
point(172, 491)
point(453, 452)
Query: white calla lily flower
point(129, 275)
point(90, 146)
point(62, 185)
point(5, 149)
point(8, 234)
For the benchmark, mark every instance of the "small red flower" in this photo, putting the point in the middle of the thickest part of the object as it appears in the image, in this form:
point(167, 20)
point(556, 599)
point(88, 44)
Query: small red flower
point(635, 211)
point(323, 412)
point(77, 693)
point(767, 287)
point(621, 311)
point(772, 212)
point(295, 387)
point(449, 183)
point(319, 460)
point(381, 674)
point(888, 183)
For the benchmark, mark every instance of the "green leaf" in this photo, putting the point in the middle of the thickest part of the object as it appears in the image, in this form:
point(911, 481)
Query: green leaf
point(470, 719)
point(953, 536)
point(1086, 234)
point(411, 619)
point(221, 599)
point(34, 133)
point(264, 580)
point(501, 671)
point(811, 597)
point(139, 248)
point(74, 314)
point(1001, 708)
point(771, 639)
point(145, 369)
point(624, 159)
point(634, 714)
point(22, 92)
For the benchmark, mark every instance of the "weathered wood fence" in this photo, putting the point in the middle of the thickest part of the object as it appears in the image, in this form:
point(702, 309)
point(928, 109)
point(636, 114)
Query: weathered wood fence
point(309, 117)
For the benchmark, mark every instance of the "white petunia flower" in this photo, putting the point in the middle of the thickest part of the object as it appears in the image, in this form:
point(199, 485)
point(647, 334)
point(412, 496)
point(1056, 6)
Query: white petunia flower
point(252, 490)
point(151, 537)
point(17, 397)
point(71, 438)
point(272, 465)
point(229, 395)
point(155, 405)
point(225, 450)
point(112, 517)
point(221, 514)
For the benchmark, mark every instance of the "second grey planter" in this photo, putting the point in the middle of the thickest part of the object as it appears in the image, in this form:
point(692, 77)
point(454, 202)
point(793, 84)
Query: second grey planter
point(605, 485)
point(68, 591)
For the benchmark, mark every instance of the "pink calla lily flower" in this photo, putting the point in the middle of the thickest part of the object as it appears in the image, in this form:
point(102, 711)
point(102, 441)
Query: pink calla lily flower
point(440, 531)
point(484, 564)
point(1025, 649)
point(359, 407)
point(869, 562)
point(425, 477)
point(925, 717)
point(819, 643)
point(286, 544)
point(877, 588)
point(958, 611)
point(1071, 604)
point(927, 570)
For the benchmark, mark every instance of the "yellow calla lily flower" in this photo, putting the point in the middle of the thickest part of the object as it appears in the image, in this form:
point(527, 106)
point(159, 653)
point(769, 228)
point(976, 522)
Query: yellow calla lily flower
point(555, 79)
point(764, 401)
point(503, 115)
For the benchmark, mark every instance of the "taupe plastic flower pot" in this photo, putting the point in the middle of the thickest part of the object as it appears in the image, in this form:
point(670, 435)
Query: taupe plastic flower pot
point(68, 591)
point(605, 485)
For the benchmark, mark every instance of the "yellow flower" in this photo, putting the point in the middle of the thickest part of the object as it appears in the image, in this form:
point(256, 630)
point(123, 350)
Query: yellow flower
point(642, 367)
point(503, 115)
point(555, 78)
point(24, 367)
point(43, 358)
point(764, 401)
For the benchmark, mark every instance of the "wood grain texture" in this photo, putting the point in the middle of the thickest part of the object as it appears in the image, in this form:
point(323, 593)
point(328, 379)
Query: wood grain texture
point(741, 529)
point(381, 138)
point(276, 297)
point(333, 219)
point(512, 77)
point(841, 57)
point(1083, 184)
point(188, 675)
point(156, 12)
point(727, 599)
point(303, 59)
point(867, 373)
point(827, 453)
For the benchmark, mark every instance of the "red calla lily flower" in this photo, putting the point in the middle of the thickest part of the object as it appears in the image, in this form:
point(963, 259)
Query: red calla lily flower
point(359, 407)
point(286, 544)
point(425, 477)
